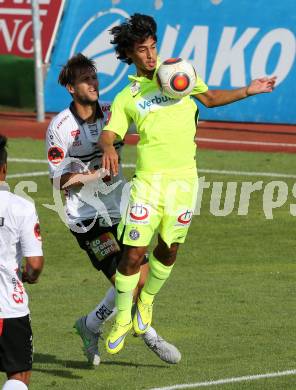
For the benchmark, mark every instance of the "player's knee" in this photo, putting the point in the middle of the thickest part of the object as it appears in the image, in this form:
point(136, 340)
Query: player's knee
point(132, 259)
point(173, 250)
point(23, 376)
point(166, 255)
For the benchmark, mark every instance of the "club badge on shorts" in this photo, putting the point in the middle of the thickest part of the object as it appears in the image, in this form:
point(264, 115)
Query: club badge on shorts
point(134, 235)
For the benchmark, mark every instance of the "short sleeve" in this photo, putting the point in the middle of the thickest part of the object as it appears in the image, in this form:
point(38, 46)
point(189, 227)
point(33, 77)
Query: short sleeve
point(30, 237)
point(56, 150)
point(119, 120)
point(200, 87)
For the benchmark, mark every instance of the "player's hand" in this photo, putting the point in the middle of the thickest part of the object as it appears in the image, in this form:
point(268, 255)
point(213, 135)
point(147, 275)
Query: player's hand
point(26, 278)
point(29, 274)
point(262, 85)
point(110, 160)
point(32, 269)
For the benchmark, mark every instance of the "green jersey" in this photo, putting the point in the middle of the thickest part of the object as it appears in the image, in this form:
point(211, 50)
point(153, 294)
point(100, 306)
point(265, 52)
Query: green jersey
point(166, 126)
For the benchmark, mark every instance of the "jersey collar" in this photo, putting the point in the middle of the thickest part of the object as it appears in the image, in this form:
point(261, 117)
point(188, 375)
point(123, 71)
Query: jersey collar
point(99, 113)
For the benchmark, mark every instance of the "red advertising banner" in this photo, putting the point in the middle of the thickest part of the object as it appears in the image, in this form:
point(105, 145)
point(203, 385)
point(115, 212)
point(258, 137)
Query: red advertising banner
point(16, 26)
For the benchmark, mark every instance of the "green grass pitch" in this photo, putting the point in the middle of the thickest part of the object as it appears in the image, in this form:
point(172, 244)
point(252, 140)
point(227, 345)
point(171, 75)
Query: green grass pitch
point(229, 304)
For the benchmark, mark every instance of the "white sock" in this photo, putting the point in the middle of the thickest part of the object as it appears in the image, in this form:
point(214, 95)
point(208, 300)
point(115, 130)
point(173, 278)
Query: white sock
point(13, 384)
point(104, 311)
point(150, 334)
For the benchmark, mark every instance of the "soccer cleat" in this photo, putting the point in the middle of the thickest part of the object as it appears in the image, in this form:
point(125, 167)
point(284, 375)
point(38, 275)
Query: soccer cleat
point(115, 340)
point(164, 350)
point(90, 341)
point(142, 318)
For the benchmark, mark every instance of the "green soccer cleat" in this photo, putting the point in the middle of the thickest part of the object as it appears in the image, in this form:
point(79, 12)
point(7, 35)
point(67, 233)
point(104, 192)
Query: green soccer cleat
point(90, 341)
point(115, 340)
point(142, 318)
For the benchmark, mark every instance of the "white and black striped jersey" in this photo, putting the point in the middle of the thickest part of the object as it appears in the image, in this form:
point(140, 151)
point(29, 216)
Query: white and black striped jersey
point(72, 147)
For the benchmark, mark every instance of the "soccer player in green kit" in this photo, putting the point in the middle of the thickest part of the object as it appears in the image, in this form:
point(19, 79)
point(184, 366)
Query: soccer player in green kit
point(165, 165)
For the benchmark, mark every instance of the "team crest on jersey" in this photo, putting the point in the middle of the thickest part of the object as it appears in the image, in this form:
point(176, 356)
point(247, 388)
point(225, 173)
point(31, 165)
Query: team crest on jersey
point(55, 155)
point(184, 218)
point(106, 107)
point(37, 232)
point(135, 88)
point(139, 214)
point(75, 134)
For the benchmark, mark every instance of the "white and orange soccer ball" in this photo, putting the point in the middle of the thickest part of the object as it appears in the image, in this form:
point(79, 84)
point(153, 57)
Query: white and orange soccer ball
point(176, 78)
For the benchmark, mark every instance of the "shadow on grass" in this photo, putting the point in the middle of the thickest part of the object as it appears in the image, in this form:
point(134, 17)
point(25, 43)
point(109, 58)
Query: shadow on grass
point(115, 363)
point(58, 373)
point(41, 358)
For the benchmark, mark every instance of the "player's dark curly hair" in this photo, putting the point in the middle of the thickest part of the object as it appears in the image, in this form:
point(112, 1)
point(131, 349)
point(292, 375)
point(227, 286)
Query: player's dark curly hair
point(3, 151)
point(74, 67)
point(136, 29)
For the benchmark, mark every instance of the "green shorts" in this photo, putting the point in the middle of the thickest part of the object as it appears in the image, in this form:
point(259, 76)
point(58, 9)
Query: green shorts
point(158, 202)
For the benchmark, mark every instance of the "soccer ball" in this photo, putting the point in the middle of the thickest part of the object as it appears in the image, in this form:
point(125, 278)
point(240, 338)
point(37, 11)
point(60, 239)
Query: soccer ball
point(176, 78)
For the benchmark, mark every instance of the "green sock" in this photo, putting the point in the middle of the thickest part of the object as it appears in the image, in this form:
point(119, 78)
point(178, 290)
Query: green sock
point(158, 274)
point(124, 286)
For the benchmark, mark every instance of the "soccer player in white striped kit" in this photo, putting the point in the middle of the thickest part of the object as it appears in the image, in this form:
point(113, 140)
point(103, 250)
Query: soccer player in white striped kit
point(19, 237)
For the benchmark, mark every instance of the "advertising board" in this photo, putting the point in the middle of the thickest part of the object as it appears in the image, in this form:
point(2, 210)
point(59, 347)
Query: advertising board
point(16, 26)
point(229, 42)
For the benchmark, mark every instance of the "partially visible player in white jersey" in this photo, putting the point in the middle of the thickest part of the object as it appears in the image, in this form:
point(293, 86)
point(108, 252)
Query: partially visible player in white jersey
point(92, 199)
point(19, 237)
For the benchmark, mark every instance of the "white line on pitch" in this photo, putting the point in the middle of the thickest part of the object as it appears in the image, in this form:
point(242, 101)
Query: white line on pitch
point(27, 174)
point(243, 173)
point(229, 141)
point(228, 380)
point(29, 160)
point(201, 170)
point(235, 173)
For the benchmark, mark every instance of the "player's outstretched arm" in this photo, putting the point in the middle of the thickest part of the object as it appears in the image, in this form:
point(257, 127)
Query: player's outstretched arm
point(76, 180)
point(32, 269)
point(220, 97)
point(110, 156)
